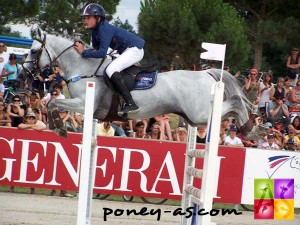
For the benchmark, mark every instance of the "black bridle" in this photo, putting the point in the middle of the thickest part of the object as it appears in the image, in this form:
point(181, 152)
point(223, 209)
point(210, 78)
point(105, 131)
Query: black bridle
point(36, 68)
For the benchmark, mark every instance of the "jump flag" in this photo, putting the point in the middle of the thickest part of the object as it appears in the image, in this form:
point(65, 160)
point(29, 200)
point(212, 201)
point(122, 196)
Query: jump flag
point(213, 51)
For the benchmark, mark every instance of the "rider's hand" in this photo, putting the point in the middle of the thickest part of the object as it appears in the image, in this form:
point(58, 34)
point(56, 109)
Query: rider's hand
point(79, 47)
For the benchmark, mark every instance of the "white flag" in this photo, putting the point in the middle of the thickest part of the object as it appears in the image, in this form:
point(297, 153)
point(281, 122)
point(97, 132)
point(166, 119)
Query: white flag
point(214, 51)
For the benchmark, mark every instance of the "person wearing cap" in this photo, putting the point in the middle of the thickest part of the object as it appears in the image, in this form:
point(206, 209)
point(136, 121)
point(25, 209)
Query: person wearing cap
point(252, 86)
point(181, 134)
point(68, 120)
point(279, 111)
point(269, 130)
point(291, 135)
point(293, 64)
point(105, 36)
point(31, 123)
point(290, 145)
point(232, 140)
point(270, 144)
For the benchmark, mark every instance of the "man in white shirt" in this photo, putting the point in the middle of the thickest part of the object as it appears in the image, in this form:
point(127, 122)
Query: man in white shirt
point(56, 87)
point(4, 56)
point(232, 140)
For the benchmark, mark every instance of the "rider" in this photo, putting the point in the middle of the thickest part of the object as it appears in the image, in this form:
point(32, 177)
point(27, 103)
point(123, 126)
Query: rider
point(105, 35)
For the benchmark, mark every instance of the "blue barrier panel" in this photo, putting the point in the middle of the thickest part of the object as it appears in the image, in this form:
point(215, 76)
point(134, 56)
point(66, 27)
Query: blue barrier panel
point(15, 40)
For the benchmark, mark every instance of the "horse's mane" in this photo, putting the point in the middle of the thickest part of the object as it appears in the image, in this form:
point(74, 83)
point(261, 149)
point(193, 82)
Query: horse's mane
point(232, 86)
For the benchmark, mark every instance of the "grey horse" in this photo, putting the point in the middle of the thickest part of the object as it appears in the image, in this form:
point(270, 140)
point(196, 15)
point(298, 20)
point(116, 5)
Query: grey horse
point(186, 93)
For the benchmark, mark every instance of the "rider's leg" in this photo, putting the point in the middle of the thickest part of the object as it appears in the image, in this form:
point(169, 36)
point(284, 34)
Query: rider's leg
point(128, 58)
point(119, 82)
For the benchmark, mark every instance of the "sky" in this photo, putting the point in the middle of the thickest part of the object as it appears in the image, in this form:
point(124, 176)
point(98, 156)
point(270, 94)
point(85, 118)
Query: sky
point(127, 9)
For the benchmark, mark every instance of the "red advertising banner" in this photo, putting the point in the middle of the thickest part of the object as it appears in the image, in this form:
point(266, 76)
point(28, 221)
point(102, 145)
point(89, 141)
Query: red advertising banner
point(128, 166)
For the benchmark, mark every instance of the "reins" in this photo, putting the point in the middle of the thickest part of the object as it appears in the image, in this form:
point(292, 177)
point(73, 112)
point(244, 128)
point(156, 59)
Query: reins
point(36, 67)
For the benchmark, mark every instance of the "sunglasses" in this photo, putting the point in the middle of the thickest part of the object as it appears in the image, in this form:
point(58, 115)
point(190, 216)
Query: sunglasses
point(31, 118)
point(54, 94)
point(295, 50)
point(16, 100)
point(252, 73)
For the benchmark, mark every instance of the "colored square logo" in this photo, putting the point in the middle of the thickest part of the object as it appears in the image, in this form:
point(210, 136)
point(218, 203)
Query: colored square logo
point(264, 209)
point(274, 199)
point(263, 189)
point(284, 188)
point(283, 209)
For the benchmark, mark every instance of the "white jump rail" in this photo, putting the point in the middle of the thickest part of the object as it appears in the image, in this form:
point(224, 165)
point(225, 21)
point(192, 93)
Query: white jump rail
point(88, 159)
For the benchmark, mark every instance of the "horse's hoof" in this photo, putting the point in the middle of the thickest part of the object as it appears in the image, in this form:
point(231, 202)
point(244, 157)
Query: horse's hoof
point(61, 132)
point(50, 121)
point(121, 114)
point(58, 123)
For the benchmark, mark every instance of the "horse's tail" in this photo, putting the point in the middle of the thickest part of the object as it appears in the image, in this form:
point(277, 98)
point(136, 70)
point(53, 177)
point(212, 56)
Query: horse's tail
point(232, 86)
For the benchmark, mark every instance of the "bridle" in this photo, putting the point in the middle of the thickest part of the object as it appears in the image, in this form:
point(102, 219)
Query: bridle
point(36, 68)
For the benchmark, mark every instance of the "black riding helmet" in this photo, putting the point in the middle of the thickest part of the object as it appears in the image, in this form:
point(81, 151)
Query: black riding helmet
point(94, 9)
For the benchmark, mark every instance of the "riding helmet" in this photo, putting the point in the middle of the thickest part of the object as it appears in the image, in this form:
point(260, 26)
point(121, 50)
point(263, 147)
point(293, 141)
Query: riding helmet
point(94, 9)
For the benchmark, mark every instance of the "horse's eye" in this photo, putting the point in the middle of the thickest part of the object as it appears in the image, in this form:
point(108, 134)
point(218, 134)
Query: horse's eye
point(33, 51)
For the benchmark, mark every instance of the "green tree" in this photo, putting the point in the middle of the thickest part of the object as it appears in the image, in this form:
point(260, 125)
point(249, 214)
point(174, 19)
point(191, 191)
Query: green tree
point(124, 25)
point(273, 27)
point(18, 10)
point(64, 16)
point(176, 26)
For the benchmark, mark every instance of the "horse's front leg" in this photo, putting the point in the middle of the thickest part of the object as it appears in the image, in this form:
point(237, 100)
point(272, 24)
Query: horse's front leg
point(74, 105)
point(54, 120)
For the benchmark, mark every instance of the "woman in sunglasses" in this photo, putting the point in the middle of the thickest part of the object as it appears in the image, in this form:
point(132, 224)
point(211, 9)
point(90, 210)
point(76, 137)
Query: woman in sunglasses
point(251, 86)
point(11, 69)
point(16, 111)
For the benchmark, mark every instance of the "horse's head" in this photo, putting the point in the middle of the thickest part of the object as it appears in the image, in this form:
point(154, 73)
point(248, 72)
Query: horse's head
point(38, 57)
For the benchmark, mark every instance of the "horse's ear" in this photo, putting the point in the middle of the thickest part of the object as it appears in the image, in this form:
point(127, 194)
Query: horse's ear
point(37, 32)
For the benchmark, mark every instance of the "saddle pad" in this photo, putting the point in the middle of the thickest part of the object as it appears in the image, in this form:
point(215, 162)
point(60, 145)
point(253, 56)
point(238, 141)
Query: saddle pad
point(145, 80)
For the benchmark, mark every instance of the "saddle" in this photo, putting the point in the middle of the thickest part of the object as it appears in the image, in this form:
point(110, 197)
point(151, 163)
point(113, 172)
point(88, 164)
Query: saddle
point(136, 78)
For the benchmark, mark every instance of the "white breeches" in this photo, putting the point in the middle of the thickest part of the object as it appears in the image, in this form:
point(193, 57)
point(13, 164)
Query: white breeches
point(128, 58)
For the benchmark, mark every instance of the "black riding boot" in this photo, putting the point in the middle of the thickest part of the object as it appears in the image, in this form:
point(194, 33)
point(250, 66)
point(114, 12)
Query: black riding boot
point(119, 82)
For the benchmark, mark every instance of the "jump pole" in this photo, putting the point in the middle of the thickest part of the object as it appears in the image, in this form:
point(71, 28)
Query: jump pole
point(88, 159)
